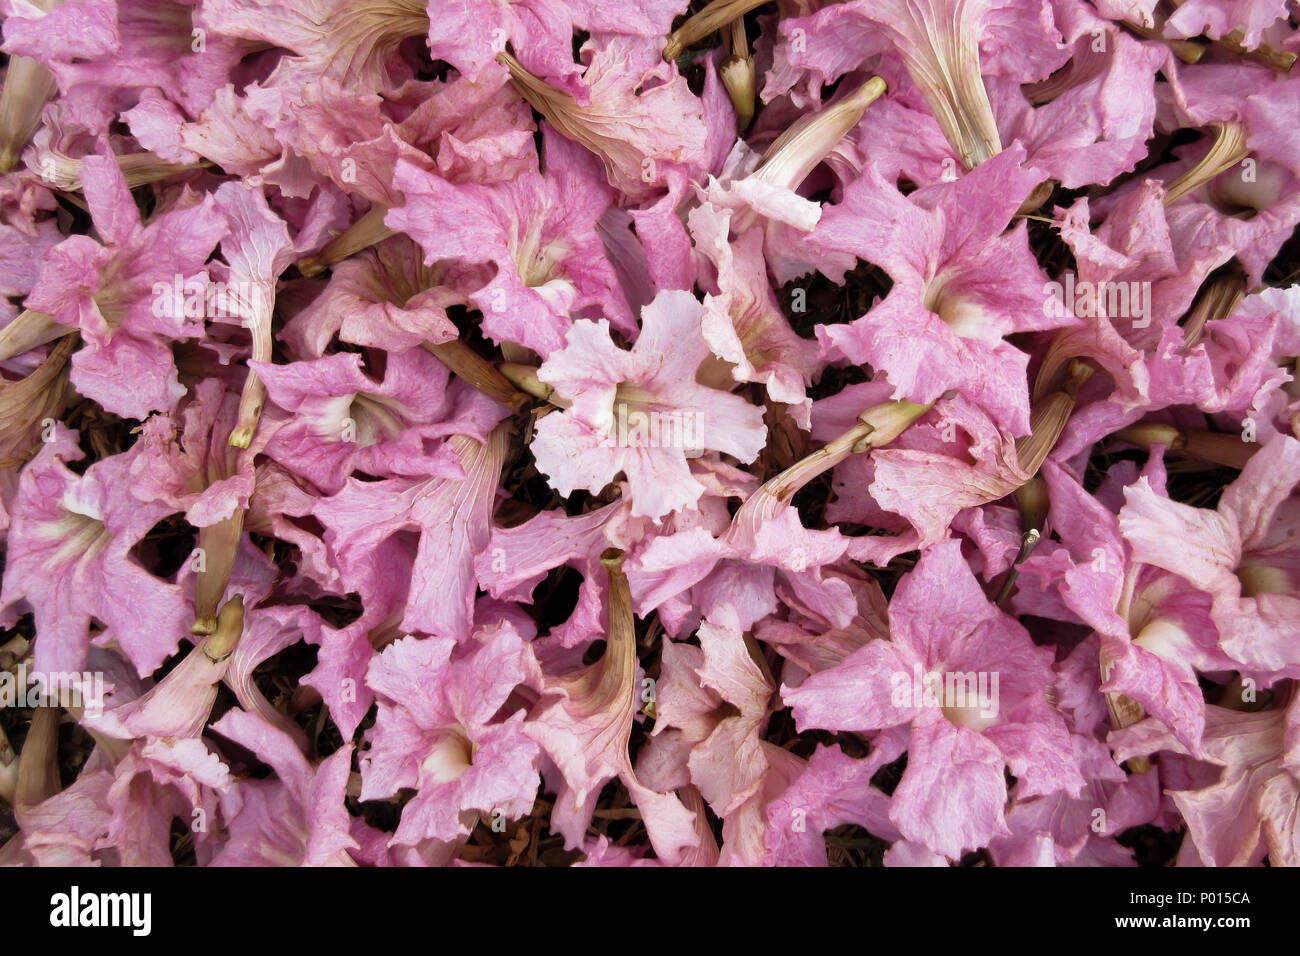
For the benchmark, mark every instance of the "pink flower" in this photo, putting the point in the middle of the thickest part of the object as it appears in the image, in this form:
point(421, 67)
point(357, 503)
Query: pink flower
point(340, 420)
point(1248, 19)
point(128, 293)
point(385, 297)
point(960, 286)
point(296, 818)
point(633, 110)
point(640, 411)
point(1242, 554)
point(452, 516)
point(469, 36)
point(538, 230)
point(438, 732)
point(331, 38)
point(727, 761)
point(945, 640)
point(1250, 809)
point(1155, 630)
point(107, 46)
point(583, 721)
point(462, 131)
point(833, 789)
point(69, 562)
